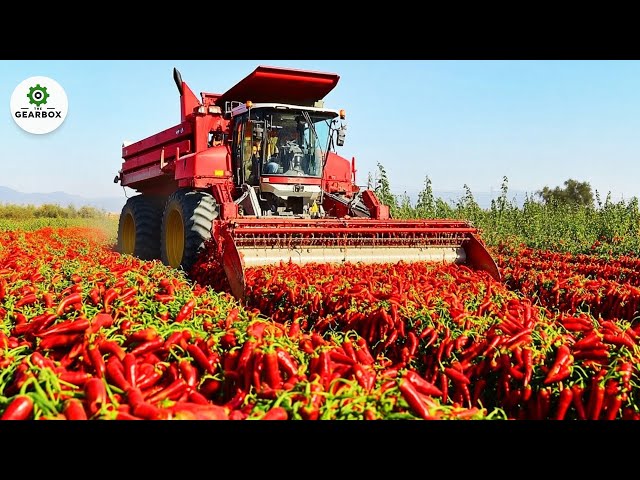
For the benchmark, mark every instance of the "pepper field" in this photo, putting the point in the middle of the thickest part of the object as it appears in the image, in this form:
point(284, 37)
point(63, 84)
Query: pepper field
point(86, 333)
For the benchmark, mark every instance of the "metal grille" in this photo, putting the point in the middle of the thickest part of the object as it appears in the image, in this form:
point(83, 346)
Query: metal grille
point(365, 233)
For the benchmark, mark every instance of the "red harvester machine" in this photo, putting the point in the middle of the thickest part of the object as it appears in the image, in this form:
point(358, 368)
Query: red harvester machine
point(256, 168)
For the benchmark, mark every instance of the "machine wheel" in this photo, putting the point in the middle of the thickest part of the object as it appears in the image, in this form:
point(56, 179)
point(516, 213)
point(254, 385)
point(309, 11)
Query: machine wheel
point(139, 227)
point(186, 225)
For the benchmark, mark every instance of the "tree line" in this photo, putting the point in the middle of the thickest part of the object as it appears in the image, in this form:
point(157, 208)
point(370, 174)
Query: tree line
point(25, 212)
point(572, 217)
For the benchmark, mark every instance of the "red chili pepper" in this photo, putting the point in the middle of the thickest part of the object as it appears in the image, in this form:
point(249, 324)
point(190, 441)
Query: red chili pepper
point(20, 408)
point(236, 400)
point(147, 347)
point(96, 395)
point(186, 310)
point(347, 345)
point(276, 413)
point(612, 407)
point(201, 359)
point(114, 371)
point(197, 397)
point(147, 411)
point(74, 410)
point(94, 295)
point(97, 361)
point(246, 353)
point(598, 355)
point(77, 378)
point(231, 317)
point(286, 362)
point(209, 387)
point(112, 347)
point(336, 356)
point(256, 330)
point(109, 296)
point(189, 372)
point(544, 402)
point(78, 325)
point(577, 401)
point(60, 340)
point(172, 392)
point(272, 371)
point(365, 377)
point(564, 402)
point(20, 318)
point(294, 328)
point(42, 322)
point(143, 335)
point(422, 385)
point(29, 299)
point(257, 369)
point(130, 368)
point(559, 369)
point(126, 416)
point(414, 399)
point(47, 298)
point(363, 354)
point(163, 297)
point(456, 375)
point(311, 411)
point(595, 405)
point(444, 386)
point(68, 301)
point(134, 397)
point(38, 360)
point(99, 321)
point(589, 341)
point(173, 339)
point(619, 340)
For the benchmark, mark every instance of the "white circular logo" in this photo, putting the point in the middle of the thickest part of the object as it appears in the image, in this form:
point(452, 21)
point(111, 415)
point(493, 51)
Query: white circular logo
point(39, 105)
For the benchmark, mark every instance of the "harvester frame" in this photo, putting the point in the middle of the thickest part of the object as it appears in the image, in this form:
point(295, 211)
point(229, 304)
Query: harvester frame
point(228, 171)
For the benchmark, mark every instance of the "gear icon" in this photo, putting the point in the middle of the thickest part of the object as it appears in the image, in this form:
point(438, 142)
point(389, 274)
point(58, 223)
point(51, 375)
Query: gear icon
point(37, 95)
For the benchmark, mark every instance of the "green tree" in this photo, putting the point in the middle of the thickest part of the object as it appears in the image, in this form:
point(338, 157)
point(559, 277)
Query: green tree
point(426, 205)
point(574, 193)
point(383, 189)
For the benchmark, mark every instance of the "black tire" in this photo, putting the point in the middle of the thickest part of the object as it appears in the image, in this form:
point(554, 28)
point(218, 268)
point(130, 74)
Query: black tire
point(186, 225)
point(139, 227)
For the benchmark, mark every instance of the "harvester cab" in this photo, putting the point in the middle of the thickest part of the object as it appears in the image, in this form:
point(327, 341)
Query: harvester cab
point(279, 155)
point(256, 170)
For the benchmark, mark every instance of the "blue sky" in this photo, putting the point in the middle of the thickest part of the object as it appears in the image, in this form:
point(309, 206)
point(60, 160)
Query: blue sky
point(459, 122)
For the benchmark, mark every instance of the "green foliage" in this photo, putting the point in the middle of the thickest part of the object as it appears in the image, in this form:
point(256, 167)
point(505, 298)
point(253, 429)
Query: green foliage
point(24, 212)
point(571, 223)
point(574, 193)
point(383, 190)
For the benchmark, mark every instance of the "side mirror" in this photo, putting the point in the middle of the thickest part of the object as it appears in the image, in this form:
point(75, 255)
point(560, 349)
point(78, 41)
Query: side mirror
point(342, 132)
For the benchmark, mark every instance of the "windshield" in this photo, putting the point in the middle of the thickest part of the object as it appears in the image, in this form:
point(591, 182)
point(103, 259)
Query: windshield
point(290, 144)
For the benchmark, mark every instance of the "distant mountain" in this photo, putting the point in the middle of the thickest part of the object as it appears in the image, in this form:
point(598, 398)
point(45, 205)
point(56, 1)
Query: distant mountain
point(14, 197)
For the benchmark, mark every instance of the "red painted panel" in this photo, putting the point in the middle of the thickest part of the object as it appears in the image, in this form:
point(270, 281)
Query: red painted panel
point(141, 175)
point(337, 168)
point(281, 85)
point(170, 134)
point(154, 155)
point(205, 164)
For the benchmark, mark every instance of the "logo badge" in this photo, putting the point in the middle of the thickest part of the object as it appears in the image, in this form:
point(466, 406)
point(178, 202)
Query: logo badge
point(39, 105)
